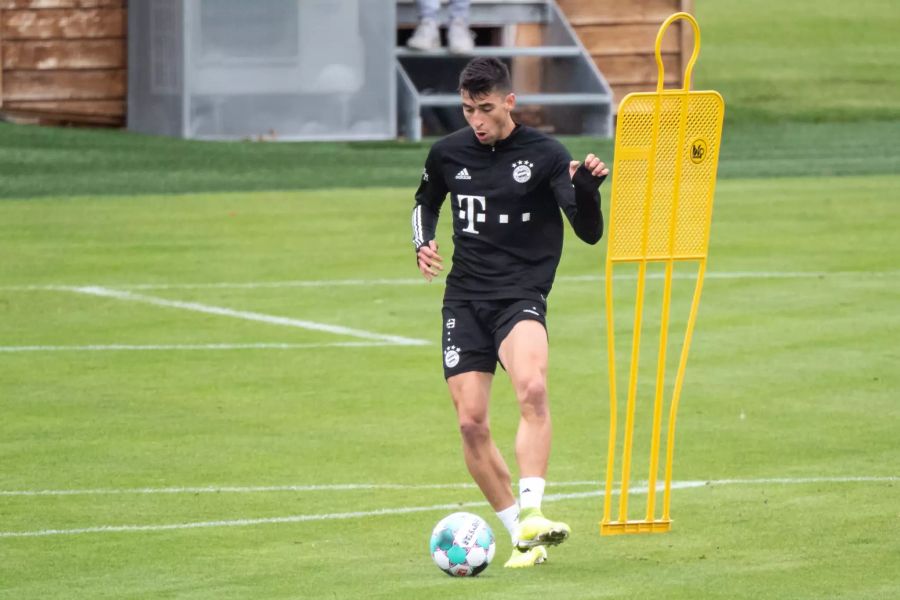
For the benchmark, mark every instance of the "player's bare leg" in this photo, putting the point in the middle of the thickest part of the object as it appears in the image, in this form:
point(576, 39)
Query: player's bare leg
point(524, 354)
point(471, 395)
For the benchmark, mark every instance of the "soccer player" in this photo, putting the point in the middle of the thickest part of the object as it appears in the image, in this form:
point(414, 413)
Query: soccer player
point(507, 183)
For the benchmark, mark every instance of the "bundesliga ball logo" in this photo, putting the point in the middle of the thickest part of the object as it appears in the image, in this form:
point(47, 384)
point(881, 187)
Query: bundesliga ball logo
point(462, 545)
point(522, 170)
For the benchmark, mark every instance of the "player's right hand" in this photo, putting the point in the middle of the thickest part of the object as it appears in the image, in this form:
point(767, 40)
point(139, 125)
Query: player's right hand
point(430, 262)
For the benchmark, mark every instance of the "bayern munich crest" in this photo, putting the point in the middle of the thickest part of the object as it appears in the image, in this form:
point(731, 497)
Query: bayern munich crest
point(451, 356)
point(522, 170)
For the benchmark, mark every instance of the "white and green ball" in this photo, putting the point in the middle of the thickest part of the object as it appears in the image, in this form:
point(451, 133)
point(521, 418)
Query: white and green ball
point(462, 545)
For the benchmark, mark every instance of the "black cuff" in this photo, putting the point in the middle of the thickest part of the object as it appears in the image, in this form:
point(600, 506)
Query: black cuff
point(583, 179)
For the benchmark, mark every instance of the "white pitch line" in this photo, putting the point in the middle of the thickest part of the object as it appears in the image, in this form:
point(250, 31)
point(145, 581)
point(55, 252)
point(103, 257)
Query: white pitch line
point(246, 315)
point(676, 485)
point(306, 518)
point(340, 487)
point(135, 347)
point(214, 489)
point(242, 522)
point(416, 281)
point(300, 283)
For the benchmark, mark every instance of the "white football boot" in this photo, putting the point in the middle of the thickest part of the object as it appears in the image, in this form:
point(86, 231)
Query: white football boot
point(522, 559)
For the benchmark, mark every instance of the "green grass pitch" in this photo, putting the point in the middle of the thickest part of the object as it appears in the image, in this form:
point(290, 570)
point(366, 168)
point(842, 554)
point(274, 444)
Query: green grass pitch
point(790, 378)
point(202, 393)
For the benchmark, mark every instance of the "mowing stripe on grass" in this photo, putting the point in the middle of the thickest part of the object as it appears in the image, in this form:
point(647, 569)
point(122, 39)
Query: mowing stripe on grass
point(677, 485)
point(213, 489)
point(131, 347)
point(402, 281)
point(242, 314)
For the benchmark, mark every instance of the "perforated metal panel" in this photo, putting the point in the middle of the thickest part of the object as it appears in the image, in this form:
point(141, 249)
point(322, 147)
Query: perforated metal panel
point(666, 155)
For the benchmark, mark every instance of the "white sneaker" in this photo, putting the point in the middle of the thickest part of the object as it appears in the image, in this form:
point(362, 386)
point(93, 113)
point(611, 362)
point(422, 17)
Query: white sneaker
point(426, 37)
point(460, 38)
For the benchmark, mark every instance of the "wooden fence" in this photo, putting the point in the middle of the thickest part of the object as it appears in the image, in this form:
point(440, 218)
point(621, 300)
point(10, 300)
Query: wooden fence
point(620, 35)
point(64, 60)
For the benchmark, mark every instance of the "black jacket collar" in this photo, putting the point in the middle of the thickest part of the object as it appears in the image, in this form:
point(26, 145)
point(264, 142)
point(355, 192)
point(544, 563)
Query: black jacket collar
point(507, 141)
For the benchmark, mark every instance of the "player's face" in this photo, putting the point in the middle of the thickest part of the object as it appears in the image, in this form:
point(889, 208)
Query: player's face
point(489, 115)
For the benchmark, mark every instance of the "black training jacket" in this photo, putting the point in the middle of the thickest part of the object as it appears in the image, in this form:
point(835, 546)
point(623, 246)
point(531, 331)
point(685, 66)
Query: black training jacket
point(505, 205)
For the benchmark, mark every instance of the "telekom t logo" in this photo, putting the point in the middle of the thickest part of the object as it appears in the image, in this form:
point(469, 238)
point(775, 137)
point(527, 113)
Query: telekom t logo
point(469, 211)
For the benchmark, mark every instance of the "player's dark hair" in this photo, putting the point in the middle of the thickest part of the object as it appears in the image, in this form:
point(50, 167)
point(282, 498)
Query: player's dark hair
point(483, 75)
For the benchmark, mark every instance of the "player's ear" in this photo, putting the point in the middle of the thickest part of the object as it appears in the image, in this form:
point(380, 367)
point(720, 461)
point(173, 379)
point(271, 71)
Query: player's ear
point(510, 101)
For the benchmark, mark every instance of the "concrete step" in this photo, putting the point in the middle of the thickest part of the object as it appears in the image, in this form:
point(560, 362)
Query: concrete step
point(498, 51)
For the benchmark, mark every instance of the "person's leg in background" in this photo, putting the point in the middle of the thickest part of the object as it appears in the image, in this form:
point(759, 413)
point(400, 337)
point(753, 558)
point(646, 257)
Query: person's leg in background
point(427, 36)
point(460, 38)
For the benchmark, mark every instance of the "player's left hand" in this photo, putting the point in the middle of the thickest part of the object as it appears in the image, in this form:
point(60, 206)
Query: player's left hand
point(593, 164)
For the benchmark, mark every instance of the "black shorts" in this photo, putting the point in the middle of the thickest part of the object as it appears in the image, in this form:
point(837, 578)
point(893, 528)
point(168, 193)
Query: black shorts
point(473, 331)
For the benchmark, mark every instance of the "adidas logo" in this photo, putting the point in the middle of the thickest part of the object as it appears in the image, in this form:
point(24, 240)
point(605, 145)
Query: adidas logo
point(464, 174)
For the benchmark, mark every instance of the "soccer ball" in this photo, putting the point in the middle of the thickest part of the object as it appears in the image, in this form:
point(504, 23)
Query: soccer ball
point(462, 545)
